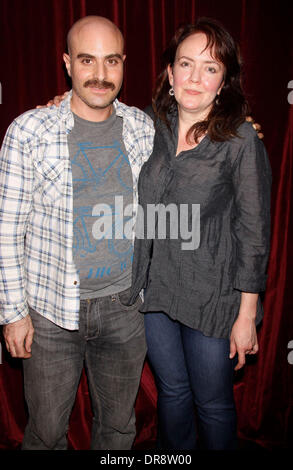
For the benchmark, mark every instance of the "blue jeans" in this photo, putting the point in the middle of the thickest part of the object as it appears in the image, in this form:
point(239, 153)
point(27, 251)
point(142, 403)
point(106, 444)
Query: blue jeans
point(192, 372)
point(111, 344)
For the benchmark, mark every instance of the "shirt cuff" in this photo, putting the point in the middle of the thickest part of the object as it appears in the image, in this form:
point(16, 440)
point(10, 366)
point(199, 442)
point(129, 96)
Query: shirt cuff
point(12, 313)
point(250, 284)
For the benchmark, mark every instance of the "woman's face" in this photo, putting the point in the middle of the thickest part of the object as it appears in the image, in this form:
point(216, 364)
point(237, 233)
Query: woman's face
point(196, 76)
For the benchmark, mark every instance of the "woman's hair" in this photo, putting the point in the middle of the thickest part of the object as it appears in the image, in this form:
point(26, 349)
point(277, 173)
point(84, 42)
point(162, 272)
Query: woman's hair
point(230, 108)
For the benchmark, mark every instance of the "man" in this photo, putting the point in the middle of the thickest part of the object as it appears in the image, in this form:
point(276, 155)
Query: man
point(65, 279)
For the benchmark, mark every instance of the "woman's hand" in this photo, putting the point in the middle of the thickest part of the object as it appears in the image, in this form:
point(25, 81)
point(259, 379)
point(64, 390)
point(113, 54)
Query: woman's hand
point(256, 126)
point(243, 338)
point(55, 101)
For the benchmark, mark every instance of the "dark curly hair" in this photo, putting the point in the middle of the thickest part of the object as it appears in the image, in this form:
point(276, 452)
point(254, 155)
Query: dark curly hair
point(230, 108)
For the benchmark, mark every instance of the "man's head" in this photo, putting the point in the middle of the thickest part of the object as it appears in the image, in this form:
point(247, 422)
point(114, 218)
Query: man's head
point(95, 64)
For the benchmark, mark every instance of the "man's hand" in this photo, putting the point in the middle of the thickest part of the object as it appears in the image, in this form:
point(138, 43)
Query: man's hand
point(256, 126)
point(55, 101)
point(19, 337)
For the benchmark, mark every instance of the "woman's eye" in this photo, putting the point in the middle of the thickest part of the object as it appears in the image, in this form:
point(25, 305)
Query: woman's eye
point(212, 69)
point(185, 64)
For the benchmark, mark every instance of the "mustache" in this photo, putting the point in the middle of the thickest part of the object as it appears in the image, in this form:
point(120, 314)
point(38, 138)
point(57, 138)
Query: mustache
point(96, 83)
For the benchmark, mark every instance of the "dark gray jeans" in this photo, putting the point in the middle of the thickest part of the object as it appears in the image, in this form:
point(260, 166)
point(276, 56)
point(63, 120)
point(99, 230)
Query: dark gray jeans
point(111, 344)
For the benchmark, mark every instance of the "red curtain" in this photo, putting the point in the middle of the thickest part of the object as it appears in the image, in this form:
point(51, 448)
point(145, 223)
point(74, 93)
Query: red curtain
point(33, 37)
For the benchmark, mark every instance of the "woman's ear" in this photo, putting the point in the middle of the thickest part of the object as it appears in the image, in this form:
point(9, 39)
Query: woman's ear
point(170, 74)
point(220, 87)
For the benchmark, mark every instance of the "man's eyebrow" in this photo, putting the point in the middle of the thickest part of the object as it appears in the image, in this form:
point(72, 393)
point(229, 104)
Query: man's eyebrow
point(83, 55)
point(112, 56)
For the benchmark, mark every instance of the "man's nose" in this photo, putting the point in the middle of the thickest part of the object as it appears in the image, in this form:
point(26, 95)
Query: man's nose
point(100, 71)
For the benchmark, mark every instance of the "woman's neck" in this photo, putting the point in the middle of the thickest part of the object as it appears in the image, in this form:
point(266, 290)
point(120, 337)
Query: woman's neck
point(185, 122)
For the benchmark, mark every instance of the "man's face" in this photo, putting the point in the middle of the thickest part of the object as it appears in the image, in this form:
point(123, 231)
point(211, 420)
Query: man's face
point(95, 65)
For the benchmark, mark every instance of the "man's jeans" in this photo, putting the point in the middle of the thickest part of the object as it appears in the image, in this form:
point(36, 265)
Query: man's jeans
point(111, 345)
point(191, 371)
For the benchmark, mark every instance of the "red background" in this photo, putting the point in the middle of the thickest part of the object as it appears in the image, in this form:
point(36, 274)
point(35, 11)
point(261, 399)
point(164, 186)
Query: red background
point(33, 35)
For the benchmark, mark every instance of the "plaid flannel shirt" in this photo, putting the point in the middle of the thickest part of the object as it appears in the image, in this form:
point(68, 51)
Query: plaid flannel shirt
point(36, 210)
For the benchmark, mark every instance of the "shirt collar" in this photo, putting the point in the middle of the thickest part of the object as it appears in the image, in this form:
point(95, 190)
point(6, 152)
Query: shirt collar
point(172, 117)
point(64, 112)
point(119, 108)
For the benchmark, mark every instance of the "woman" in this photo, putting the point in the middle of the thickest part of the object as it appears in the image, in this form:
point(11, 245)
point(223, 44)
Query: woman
point(202, 305)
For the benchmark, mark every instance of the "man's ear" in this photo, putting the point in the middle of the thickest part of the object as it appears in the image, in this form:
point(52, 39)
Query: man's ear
point(67, 61)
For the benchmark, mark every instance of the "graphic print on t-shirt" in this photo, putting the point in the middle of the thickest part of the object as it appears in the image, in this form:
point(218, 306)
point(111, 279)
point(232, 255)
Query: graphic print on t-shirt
point(87, 177)
point(101, 173)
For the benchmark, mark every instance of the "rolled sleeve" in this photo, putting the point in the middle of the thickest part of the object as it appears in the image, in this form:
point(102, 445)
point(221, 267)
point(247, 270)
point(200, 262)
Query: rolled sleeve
point(251, 223)
point(15, 204)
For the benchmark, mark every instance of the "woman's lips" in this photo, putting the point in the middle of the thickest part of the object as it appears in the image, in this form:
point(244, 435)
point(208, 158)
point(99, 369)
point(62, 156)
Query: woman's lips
point(193, 92)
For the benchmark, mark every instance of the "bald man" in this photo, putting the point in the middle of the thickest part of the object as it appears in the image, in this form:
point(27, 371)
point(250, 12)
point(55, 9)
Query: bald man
point(68, 181)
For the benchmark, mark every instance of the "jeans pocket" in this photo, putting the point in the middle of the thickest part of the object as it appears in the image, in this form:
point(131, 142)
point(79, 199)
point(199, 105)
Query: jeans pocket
point(124, 299)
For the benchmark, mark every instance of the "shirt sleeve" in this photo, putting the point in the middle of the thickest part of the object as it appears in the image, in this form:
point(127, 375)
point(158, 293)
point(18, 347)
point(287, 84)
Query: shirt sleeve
point(251, 221)
point(148, 139)
point(16, 179)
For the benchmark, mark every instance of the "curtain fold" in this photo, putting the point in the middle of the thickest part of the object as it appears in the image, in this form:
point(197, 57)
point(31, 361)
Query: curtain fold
point(33, 39)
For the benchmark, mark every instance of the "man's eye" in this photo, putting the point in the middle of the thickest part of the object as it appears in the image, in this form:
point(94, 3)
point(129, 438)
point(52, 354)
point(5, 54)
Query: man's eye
point(87, 61)
point(112, 61)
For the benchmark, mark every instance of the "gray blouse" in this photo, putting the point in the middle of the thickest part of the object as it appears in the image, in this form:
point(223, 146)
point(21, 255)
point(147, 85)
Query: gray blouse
point(231, 182)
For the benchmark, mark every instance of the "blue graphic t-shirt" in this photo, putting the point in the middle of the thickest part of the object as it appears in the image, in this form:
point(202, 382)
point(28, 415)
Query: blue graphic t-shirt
point(102, 206)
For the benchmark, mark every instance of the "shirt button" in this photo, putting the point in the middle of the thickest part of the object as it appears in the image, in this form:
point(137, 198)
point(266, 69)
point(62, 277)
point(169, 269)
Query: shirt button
point(75, 282)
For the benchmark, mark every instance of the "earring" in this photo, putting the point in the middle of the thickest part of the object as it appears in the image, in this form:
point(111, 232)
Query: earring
point(171, 91)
